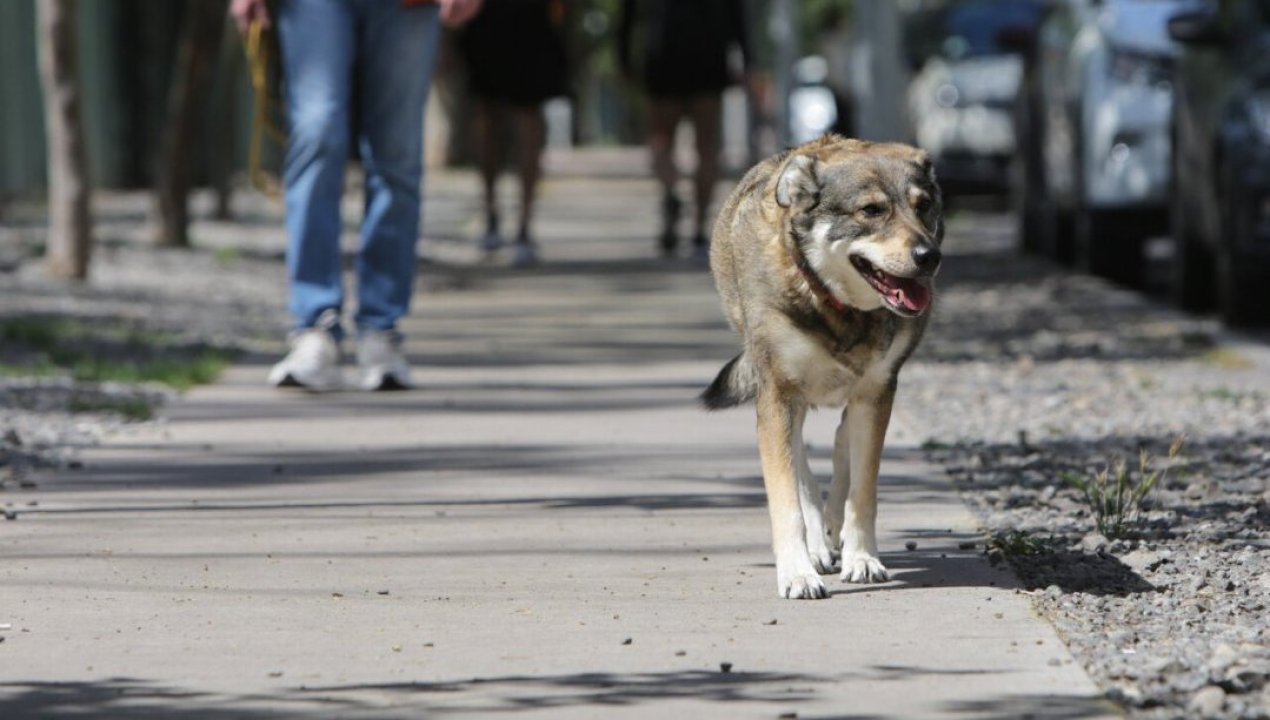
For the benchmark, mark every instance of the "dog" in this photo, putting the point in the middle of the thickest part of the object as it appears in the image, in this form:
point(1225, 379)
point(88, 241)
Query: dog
point(825, 258)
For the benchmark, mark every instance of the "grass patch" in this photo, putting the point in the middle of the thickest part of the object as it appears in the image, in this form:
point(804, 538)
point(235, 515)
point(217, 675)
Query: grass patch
point(38, 369)
point(226, 256)
point(1225, 394)
point(131, 408)
point(1226, 359)
point(177, 373)
point(105, 351)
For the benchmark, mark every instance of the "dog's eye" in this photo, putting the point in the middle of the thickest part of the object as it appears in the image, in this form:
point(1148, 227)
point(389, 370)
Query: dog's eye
point(872, 210)
point(923, 205)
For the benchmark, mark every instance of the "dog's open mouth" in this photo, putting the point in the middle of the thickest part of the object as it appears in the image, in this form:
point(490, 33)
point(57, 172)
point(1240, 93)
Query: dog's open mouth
point(907, 296)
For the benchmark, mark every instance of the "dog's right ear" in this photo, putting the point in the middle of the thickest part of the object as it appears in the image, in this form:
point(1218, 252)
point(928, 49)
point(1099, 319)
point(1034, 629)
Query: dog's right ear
point(797, 185)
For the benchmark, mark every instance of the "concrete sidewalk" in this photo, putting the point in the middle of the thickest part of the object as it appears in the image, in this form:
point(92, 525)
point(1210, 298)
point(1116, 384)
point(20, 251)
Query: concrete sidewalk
point(548, 528)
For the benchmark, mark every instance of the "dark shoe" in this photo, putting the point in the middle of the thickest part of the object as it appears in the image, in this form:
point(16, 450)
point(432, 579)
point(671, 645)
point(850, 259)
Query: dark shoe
point(670, 208)
point(492, 240)
point(700, 249)
point(526, 254)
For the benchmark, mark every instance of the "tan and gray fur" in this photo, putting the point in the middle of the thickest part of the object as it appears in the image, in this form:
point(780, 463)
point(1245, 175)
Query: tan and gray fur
point(821, 334)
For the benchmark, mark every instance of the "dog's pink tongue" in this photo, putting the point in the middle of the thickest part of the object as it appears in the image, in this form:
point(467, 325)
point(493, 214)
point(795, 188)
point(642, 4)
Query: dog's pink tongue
point(910, 295)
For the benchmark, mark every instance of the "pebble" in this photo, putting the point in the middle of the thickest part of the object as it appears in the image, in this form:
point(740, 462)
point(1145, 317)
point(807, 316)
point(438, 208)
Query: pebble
point(1207, 702)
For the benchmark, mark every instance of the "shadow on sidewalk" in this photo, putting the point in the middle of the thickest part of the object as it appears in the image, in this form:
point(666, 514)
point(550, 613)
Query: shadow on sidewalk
point(736, 691)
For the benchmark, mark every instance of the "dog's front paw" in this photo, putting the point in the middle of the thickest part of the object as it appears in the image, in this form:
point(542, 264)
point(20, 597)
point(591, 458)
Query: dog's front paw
point(805, 586)
point(860, 567)
point(823, 558)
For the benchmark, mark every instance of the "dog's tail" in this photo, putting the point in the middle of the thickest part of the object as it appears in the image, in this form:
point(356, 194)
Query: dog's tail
point(735, 384)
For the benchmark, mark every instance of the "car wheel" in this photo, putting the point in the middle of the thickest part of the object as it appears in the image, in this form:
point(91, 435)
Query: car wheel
point(1243, 279)
point(1243, 290)
point(1047, 229)
point(1061, 230)
point(1032, 230)
point(1107, 246)
point(1194, 268)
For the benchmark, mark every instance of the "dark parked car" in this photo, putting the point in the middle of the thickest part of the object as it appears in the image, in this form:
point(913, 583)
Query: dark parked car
point(1092, 174)
point(1221, 136)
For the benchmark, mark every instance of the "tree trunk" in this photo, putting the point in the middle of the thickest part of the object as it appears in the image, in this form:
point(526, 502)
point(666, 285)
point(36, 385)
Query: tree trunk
point(201, 33)
point(70, 224)
point(222, 142)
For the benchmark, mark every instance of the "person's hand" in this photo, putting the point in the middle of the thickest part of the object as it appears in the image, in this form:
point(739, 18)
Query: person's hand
point(457, 12)
point(246, 12)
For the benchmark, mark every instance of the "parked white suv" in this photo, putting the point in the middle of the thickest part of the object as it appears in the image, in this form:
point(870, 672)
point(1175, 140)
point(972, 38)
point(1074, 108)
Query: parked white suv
point(1098, 104)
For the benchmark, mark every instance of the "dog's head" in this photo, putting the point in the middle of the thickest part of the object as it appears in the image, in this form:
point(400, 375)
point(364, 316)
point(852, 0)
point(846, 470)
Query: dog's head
point(868, 218)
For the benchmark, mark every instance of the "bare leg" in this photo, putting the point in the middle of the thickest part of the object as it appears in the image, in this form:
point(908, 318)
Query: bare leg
point(705, 124)
point(486, 130)
point(663, 118)
point(531, 136)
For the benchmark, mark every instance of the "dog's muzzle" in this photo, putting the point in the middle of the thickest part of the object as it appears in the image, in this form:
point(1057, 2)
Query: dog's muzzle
point(903, 295)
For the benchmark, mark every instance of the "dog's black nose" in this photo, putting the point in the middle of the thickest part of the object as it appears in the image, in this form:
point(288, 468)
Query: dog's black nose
point(926, 256)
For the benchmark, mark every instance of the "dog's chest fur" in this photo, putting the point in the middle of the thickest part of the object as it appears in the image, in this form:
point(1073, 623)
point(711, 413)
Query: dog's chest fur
point(831, 358)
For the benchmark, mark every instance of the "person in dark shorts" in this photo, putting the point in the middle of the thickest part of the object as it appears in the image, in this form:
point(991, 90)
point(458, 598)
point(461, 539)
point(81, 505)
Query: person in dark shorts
point(515, 57)
point(680, 52)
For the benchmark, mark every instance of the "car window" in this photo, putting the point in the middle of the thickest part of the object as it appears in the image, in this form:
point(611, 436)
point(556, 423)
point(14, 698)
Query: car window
point(972, 29)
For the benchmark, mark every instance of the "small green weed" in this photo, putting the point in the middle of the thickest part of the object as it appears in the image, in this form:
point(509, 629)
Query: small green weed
point(1115, 493)
point(1015, 543)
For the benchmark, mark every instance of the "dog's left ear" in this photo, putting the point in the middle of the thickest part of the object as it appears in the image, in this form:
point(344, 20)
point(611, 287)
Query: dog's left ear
point(797, 185)
point(927, 167)
point(923, 161)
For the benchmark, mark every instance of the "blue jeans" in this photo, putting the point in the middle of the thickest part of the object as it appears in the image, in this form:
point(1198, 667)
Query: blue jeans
point(379, 56)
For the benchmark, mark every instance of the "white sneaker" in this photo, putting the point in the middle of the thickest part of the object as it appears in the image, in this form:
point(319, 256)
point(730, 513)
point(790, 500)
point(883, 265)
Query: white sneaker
point(382, 364)
point(312, 364)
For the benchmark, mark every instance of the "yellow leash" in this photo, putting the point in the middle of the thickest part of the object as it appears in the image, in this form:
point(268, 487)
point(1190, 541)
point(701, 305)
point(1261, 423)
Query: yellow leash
point(262, 120)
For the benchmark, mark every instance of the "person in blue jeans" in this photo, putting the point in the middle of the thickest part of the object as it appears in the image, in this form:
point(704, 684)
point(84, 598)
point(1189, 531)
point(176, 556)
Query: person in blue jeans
point(356, 75)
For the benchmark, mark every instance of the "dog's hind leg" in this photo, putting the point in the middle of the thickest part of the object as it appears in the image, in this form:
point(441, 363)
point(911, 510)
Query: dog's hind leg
point(809, 498)
point(840, 486)
point(779, 429)
point(866, 430)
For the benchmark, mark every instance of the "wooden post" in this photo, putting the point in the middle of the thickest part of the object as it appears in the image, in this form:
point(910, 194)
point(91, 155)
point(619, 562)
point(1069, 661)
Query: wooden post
point(201, 33)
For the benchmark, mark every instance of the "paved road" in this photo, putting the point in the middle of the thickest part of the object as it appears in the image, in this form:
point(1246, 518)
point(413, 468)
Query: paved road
point(548, 527)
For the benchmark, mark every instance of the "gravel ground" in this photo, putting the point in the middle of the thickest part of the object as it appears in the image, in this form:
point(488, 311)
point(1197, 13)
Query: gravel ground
point(209, 297)
point(1027, 377)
